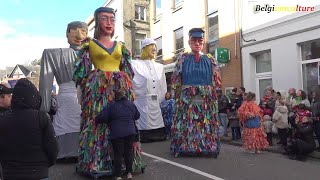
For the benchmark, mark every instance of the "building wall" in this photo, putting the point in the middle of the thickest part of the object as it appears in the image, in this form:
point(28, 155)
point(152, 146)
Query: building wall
point(172, 20)
point(125, 12)
point(136, 26)
point(195, 15)
point(119, 31)
point(282, 37)
point(229, 38)
point(253, 21)
point(18, 74)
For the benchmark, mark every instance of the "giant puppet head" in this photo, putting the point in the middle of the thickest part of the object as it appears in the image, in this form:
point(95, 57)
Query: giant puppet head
point(77, 31)
point(149, 49)
point(104, 22)
point(196, 39)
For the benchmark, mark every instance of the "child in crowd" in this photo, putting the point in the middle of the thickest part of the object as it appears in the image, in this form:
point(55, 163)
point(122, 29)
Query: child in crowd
point(267, 124)
point(234, 124)
point(121, 116)
point(301, 112)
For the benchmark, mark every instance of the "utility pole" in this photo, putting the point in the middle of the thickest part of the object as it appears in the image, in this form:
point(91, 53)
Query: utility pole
point(133, 37)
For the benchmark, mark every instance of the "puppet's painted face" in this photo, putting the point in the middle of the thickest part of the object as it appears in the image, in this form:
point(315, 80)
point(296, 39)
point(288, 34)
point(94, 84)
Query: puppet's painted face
point(106, 23)
point(196, 44)
point(149, 52)
point(77, 35)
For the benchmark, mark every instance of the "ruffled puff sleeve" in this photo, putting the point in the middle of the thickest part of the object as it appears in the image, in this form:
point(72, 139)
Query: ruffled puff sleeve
point(248, 110)
point(83, 64)
point(216, 77)
point(125, 64)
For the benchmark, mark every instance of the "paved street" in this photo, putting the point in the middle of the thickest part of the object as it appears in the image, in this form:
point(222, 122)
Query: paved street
point(232, 164)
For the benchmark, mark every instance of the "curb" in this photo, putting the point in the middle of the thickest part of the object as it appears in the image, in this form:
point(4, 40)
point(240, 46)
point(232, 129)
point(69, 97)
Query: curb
point(314, 154)
point(240, 144)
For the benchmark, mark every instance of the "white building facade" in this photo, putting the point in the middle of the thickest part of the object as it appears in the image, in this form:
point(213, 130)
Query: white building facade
point(281, 49)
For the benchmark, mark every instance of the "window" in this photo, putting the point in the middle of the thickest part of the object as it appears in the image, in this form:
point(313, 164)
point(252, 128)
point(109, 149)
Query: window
point(138, 43)
point(158, 8)
point(212, 48)
point(310, 52)
point(179, 39)
point(212, 6)
point(177, 5)
point(140, 13)
point(263, 62)
point(263, 72)
point(213, 28)
point(263, 84)
point(177, 2)
point(159, 48)
point(213, 33)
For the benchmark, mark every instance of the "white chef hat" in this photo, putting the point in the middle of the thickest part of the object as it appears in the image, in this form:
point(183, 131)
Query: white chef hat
point(147, 41)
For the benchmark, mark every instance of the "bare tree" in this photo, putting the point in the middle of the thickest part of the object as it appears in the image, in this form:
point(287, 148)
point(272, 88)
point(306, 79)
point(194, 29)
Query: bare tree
point(35, 62)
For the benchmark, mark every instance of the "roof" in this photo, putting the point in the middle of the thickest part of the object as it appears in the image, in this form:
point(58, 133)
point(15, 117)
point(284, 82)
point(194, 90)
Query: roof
point(26, 70)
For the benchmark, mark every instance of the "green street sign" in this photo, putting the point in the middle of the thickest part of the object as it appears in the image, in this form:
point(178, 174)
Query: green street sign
point(222, 55)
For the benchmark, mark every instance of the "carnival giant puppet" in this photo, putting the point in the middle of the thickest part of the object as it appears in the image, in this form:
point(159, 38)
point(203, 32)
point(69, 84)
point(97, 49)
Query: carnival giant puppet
point(58, 63)
point(149, 84)
point(195, 79)
point(112, 71)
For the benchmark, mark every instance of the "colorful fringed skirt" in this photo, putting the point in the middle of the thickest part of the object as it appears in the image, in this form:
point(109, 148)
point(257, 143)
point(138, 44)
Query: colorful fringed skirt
point(97, 92)
point(254, 138)
point(195, 125)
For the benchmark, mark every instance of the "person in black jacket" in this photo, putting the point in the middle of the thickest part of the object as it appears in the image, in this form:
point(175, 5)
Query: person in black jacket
point(303, 142)
point(121, 116)
point(223, 107)
point(28, 146)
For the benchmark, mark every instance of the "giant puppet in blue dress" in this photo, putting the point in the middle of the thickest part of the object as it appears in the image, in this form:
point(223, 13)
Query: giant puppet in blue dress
point(195, 80)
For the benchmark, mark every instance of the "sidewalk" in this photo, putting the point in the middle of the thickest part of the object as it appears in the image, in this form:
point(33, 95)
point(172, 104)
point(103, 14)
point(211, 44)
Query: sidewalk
point(276, 148)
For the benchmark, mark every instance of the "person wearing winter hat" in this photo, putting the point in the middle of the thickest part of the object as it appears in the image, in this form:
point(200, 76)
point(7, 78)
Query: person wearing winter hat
point(150, 87)
point(28, 146)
